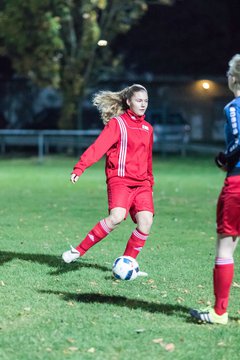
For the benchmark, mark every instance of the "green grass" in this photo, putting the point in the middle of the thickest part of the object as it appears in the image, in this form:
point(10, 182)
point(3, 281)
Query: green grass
point(50, 310)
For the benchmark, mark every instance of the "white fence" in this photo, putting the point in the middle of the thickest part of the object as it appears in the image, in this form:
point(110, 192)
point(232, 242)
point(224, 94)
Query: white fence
point(44, 139)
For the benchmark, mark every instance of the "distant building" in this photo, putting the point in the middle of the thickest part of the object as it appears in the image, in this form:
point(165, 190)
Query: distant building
point(199, 101)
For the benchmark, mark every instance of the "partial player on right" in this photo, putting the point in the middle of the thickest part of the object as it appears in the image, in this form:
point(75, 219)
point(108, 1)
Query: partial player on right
point(228, 207)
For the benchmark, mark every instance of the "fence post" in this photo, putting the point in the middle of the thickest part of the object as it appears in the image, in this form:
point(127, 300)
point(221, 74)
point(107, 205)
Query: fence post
point(3, 147)
point(40, 146)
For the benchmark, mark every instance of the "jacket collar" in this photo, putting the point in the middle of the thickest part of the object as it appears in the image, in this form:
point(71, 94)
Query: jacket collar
point(135, 117)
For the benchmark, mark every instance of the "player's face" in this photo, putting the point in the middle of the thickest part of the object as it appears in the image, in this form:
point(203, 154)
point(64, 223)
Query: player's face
point(138, 102)
point(231, 81)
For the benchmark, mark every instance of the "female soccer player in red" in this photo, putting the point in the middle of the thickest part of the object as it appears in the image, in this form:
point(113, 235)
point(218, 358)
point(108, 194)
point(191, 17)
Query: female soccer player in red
point(127, 141)
point(228, 207)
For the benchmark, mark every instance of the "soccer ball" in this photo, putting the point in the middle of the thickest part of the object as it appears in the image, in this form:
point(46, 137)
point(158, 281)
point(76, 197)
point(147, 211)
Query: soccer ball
point(125, 268)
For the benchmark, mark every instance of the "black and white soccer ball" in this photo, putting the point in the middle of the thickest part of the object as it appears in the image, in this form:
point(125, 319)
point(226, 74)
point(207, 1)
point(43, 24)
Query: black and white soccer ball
point(125, 268)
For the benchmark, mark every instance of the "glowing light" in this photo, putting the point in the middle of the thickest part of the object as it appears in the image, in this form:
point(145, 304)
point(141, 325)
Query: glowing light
point(206, 85)
point(86, 16)
point(102, 42)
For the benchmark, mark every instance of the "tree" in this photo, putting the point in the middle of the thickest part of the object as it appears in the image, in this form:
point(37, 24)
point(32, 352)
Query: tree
point(56, 42)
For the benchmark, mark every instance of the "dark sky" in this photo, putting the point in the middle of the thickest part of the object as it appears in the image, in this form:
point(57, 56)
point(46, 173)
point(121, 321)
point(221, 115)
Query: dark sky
point(193, 37)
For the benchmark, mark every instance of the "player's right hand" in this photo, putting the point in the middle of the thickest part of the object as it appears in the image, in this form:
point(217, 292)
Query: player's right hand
point(220, 161)
point(74, 178)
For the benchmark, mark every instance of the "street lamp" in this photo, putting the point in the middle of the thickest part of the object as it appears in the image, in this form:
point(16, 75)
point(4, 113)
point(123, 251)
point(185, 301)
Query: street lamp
point(102, 42)
point(206, 85)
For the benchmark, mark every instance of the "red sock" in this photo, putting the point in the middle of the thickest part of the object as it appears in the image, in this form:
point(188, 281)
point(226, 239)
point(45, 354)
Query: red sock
point(135, 243)
point(99, 232)
point(222, 280)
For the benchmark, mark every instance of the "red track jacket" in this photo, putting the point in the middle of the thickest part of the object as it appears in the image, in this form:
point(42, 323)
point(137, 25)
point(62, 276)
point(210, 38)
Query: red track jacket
point(127, 141)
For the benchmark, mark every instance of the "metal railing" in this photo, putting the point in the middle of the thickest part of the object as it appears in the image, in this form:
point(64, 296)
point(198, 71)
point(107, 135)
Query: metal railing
point(44, 139)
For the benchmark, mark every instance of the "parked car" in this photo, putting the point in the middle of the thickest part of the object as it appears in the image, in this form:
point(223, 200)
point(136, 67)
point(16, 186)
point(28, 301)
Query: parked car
point(170, 132)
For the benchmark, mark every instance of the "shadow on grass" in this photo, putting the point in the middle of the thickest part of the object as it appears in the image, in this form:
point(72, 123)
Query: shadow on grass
point(168, 309)
point(50, 260)
point(123, 301)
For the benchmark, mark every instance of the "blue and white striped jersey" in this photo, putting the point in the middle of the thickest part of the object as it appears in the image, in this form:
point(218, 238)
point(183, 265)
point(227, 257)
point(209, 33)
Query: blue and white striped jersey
point(232, 134)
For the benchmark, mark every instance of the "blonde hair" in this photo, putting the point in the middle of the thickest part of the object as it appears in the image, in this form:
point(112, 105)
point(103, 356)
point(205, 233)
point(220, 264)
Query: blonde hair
point(111, 104)
point(234, 70)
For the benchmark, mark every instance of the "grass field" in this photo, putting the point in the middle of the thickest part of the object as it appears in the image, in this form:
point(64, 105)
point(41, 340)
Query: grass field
point(51, 310)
